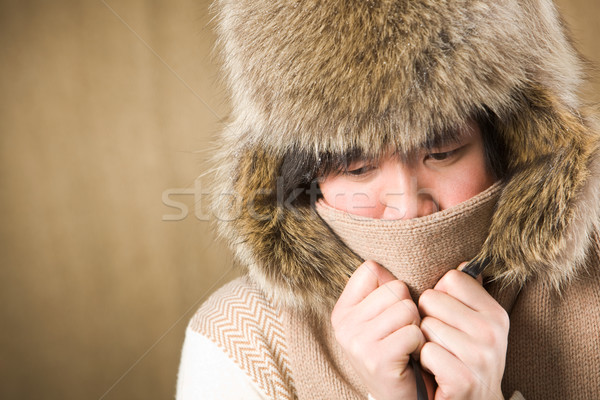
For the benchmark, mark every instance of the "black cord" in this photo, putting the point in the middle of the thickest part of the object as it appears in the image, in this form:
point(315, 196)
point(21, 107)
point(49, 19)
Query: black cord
point(475, 268)
point(421, 389)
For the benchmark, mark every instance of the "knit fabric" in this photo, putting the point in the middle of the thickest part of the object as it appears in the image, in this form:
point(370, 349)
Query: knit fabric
point(317, 361)
point(554, 339)
point(240, 320)
point(553, 351)
point(418, 251)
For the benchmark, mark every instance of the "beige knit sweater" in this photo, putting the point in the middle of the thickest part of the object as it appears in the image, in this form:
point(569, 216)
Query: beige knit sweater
point(554, 339)
point(553, 352)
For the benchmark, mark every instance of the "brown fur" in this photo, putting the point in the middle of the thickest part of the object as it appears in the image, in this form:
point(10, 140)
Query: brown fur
point(339, 75)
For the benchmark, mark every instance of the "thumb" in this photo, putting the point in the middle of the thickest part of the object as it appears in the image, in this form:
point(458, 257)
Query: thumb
point(368, 277)
point(383, 275)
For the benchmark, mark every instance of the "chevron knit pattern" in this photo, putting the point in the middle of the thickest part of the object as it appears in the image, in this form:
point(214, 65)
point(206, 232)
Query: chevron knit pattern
point(240, 320)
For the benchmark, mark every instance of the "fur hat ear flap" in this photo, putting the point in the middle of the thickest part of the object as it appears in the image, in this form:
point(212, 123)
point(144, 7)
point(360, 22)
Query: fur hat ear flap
point(289, 250)
point(548, 210)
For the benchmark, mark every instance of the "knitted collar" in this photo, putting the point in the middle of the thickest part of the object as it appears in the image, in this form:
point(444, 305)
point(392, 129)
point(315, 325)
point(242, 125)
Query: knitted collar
point(418, 251)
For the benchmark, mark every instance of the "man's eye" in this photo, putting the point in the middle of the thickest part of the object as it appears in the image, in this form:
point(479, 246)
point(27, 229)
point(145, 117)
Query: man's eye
point(442, 156)
point(360, 171)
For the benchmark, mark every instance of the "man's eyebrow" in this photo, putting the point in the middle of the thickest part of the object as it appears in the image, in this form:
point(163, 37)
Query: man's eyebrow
point(446, 138)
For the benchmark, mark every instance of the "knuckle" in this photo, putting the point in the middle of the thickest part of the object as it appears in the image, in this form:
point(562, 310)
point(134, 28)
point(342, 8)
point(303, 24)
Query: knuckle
point(426, 350)
point(344, 334)
point(370, 267)
point(372, 366)
point(413, 331)
point(355, 347)
point(408, 309)
point(478, 359)
point(493, 335)
point(488, 358)
point(484, 359)
point(468, 382)
point(503, 318)
point(426, 297)
point(339, 318)
point(427, 323)
point(463, 384)
point(471, 381)
point(340, 336)
point(452, 277)
point(453, 392)
point(368, 264)
point(487, 334)
point(398, 288)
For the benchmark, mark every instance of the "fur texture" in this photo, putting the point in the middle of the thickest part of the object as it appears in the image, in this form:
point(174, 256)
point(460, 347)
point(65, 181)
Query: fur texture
point(334, 75)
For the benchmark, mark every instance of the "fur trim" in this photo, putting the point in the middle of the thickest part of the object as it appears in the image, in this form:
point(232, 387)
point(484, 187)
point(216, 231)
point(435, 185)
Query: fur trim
point(333, 76)
point(549, 209)
point(290, 252)
point(329, 75)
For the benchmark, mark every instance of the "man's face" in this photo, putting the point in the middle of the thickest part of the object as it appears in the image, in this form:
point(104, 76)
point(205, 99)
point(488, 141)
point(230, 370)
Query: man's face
point(433, 180)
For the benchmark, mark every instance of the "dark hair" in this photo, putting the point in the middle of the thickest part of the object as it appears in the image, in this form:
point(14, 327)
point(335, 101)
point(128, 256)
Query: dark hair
point(301, 168)
point(494, 147)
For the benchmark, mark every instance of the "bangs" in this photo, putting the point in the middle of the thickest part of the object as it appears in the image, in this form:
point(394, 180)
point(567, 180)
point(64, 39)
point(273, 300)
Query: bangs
point(300, 168)
point(441, 139)
point(331, 163)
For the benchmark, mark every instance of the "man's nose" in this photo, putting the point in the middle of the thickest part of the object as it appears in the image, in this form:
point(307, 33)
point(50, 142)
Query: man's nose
point(405, 197)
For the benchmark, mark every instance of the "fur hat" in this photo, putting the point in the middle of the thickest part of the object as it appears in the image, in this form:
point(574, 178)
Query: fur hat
point(332, 76)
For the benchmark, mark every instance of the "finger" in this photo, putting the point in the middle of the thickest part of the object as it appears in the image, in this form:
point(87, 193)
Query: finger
point(453, 340)
point(466, 289)
point(449, 372)
point(442, 306)
point(402, 343)
point(368, 277)
point(382, 298)
point(394, 318)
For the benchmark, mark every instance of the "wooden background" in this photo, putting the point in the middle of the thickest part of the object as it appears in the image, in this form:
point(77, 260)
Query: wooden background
point(105, 108)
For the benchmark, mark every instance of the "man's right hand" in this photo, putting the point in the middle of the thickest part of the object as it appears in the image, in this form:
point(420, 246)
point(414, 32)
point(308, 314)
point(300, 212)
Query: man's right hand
point(377, 325)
